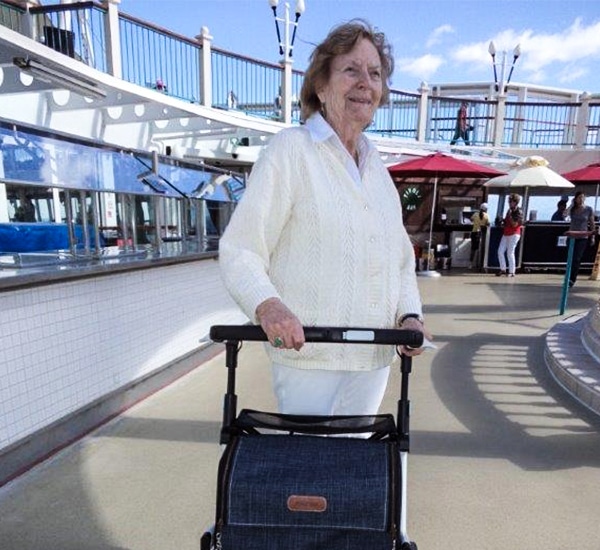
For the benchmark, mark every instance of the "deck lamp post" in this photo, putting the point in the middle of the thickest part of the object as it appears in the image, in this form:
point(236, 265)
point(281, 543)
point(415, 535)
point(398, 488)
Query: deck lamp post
point(516, 55)
point(286, 47)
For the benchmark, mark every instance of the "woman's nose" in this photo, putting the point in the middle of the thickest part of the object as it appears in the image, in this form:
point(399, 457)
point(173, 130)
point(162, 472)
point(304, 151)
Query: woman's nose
point(364, 78)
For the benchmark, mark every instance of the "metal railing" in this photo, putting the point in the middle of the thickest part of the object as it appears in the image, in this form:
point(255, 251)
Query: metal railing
point(154, 57)
point(399, 117)
point(441, 120)
point(252, 86)
point(10, 16)
point(540, 124)
point(593, 126)
point(76, 30)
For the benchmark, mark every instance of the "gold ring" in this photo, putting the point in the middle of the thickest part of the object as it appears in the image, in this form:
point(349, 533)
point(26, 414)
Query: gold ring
point(277, 342)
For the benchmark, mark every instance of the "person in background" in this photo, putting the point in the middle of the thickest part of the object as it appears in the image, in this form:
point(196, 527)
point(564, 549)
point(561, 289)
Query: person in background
point(511, 234)
point(318, 237)
point(582, 220)
point(461, 131)
point(479, 219)
point(160, 86)
point(25, 212)
point(561, 211)
point(232, 100)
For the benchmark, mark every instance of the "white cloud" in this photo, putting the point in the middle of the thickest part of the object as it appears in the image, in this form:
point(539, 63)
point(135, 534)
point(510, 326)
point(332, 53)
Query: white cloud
point(436, 36)
point(571, 73)
point(477, 53)
point(421, 67)
point(543, 55)
point(574, 43)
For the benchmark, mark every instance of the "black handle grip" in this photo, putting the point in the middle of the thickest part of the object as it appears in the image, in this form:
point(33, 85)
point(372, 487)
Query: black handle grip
point(339, 335)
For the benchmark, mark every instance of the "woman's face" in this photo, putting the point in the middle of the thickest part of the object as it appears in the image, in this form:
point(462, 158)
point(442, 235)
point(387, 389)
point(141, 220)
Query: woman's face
point(354, 89)
point(580, 200)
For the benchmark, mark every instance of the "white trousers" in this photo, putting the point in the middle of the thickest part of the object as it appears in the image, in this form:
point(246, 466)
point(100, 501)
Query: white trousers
point(508, 244)
point(328, 393)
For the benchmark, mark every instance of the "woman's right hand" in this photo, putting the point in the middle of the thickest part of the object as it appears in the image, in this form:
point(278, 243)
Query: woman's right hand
point(282, 327)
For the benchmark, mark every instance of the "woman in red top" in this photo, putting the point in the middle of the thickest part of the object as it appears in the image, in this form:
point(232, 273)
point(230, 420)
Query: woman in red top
point(513, 221)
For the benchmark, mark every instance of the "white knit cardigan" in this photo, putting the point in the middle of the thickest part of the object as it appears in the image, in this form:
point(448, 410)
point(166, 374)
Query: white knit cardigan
point(336, 253)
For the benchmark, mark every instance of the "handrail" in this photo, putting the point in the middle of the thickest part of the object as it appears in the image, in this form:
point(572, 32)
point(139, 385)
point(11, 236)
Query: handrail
point(53, 8)
point(238, 81)
point(13, 3)
point(11, 15)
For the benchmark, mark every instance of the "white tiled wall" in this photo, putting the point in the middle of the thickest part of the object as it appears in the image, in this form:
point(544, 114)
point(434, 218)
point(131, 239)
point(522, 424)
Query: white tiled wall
point(65, 345)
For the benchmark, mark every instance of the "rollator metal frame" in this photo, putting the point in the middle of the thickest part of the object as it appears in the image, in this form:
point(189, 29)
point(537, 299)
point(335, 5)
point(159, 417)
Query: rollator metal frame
point(233, 335)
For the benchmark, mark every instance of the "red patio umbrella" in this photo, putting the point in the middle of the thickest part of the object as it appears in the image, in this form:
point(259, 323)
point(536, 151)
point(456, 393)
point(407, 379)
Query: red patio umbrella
point(438, 165)
point(587, 174)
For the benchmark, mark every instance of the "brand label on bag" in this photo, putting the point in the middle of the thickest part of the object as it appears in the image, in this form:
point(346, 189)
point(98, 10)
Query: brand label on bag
point(306, 503)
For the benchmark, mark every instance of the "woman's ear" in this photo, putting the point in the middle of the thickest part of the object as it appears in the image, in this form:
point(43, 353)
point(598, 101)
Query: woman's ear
point(320, 91)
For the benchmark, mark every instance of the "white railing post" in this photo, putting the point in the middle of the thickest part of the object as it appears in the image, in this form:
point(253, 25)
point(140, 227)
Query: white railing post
point(27, 24)
point(4, 218)
point(499, 121)
point(422, 112)
point(286, 91)
point(205, 64)
point(113, 38)
point(582, 121)
point(501, 85)
point(286, 63)
point(517, 131)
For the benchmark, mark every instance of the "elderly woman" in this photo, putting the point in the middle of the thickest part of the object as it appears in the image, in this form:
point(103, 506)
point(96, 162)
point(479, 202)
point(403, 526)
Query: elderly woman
point(318, 237)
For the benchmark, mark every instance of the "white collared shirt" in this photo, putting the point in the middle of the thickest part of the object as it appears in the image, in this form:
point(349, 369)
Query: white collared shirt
point(321, 131)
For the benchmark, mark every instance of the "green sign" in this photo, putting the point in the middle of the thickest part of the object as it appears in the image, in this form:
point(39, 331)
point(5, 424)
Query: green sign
point(411, 198)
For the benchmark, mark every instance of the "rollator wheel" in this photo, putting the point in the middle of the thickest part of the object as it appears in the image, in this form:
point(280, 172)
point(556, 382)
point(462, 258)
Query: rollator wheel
point(409, 546)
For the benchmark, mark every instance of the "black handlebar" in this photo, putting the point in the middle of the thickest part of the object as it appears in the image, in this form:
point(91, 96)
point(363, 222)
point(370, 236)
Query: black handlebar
point(338, 335)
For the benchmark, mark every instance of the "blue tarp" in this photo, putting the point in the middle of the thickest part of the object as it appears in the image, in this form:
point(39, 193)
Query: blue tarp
point(38, 237)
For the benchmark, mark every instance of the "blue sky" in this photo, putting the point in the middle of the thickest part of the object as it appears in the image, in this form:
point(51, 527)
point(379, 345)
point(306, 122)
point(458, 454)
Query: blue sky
point(437, 41)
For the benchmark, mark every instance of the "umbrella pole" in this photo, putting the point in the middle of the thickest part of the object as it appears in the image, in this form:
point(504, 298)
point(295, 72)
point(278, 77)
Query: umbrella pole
point(431, 272)
point(431, 223)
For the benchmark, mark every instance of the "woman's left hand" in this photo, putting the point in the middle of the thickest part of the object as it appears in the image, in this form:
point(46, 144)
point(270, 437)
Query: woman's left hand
point(414, 324)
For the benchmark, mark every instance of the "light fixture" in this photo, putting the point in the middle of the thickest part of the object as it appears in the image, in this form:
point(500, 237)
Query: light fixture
point(58, 77)
point(273, 4)
point(299, 10)
point(516, 55)
point(492, 52)
point(283, 100)
point(287, 48)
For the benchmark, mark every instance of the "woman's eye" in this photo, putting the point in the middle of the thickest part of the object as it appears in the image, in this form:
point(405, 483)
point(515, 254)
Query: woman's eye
point(375, 75)
point(352, 71)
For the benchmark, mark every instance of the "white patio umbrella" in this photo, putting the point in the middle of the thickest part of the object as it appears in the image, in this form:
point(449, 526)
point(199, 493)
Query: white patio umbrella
point(530, 172)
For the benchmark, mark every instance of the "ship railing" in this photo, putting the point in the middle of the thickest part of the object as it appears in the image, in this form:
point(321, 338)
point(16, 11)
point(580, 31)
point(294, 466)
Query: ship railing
point(11, 15)
point(192, 70)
